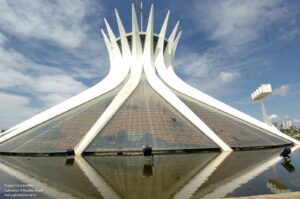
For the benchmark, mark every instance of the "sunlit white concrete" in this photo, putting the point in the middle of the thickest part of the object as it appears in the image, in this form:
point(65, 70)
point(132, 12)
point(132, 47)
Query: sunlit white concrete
point(172, 80)
point(261, 92)
point(129, 64)
point(222, 191)
point(134, 61)
point(99, 183)
point(115, 76)
point(193, 185)
point(164, 91)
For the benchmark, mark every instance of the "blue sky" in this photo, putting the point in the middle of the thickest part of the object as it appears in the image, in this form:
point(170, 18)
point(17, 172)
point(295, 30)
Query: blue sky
point(52, 50)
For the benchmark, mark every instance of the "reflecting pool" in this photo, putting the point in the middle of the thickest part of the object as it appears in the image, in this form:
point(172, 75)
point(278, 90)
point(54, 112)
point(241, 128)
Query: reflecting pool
point(199, 175)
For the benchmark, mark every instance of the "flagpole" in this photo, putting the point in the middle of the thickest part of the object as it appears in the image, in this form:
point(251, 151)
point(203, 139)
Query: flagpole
point(141, 17)
point(142, 14)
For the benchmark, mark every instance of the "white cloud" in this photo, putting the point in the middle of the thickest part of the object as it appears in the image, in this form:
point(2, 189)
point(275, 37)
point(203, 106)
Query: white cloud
point(233, 27)
point(238, 21)
point(283, 90)
point(54, 77)
point(296, 120)
point(49, 84)
point(203, 72)
point(57, 84)
point(14, 109)
point(2, 38)
point(274, 118)
point(52, 99)
point(283, 118)
point(199, 66)
point(59, 21)
point(226, 77)
point(18, 71)
point(289, 33)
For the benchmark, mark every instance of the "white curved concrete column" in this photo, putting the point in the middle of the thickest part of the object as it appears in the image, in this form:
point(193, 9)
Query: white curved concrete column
point(167, 73)
point(229, 187)
point(118, 72)
point(136, 60)
point(163, 90)
point(179, 85)
point(11, 129)
point(189, 189)
point(170, 46)
point(99, 183)
point(135, 75)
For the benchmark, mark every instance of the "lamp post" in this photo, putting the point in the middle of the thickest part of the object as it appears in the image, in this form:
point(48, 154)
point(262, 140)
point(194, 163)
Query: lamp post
point(259, 94)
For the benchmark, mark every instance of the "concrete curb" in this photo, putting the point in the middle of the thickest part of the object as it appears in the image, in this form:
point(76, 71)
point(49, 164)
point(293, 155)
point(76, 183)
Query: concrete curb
point(290, 195)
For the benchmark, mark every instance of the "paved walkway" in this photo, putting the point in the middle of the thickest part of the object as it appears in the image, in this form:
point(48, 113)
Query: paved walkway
point(290, 195)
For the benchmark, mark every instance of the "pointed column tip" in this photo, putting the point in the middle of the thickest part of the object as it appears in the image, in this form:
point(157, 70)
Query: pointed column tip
point(132, 8)
point(167, 18)
point(167, 15)
point(173, 33)
point(117, 16)
point(151, 11)
point(151, 15)
point(135, 26)
point(106, 22)
point(174, 46)
point(117, 13)
point(162, 34)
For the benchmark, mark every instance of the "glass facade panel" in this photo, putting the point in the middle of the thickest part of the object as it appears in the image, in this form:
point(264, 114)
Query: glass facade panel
point(147, 119)
point(163, 177)
point(234, 131)
point(61, 133)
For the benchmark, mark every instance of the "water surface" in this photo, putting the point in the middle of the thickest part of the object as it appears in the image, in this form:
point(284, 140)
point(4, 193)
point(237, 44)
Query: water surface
point(199, 175)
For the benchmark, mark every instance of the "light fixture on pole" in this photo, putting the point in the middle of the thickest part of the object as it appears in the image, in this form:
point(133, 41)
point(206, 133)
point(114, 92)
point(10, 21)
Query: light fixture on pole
point(259, 94)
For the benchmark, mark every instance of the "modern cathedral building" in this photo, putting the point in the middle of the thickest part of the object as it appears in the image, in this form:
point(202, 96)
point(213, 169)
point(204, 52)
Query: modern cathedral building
point(140, 102)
